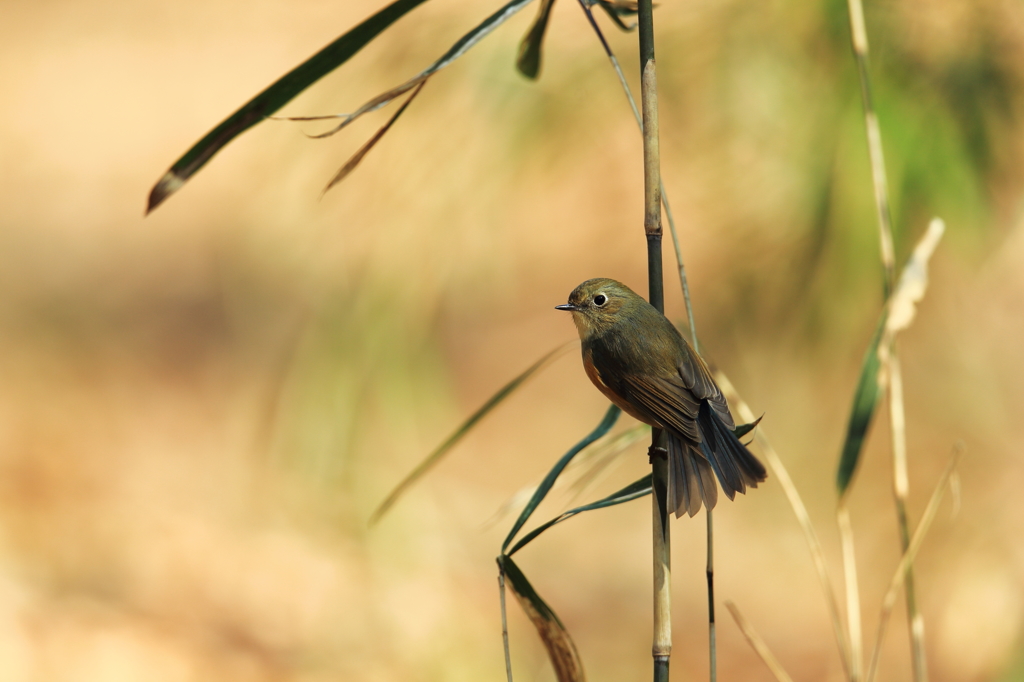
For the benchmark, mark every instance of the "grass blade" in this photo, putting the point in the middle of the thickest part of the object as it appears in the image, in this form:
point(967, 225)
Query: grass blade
point(865, 399)
point(758, 645)
point(464, 428)
point(606, 424)
point(634, 490)
point(561, 650)
point(351, 164)
point(529, 57)
point(276, 96)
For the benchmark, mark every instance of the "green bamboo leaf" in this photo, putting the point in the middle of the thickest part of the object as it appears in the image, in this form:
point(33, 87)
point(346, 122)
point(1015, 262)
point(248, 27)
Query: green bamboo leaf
point(542, 490)
point(631, 492)
point(276, 96)
point(561, 649)
point(529, 57)
point(864, 401)
point(464, 428)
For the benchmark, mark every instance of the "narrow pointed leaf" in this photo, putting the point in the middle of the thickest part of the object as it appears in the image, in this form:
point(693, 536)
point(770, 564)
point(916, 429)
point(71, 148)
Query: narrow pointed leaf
point(464, 428)
point(351, 164)
point(744, 429)
point(542, 490)
point(631, 492)
point(561, 649)
point(865, 398)
point(529, 57)
point(276, 96)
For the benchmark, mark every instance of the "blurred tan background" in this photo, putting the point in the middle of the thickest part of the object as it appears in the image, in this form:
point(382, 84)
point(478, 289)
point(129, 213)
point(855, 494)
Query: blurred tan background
point(199, 410)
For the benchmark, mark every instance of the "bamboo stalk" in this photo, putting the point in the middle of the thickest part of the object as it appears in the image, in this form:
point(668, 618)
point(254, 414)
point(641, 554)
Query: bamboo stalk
point(859, 39)
point(661, 648)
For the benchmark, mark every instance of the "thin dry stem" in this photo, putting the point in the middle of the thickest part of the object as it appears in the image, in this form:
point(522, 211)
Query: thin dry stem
point(799, 510)
point(758, 644)
point(853, 624)
point(504, 624)
point(901, 489)
point(902, 571)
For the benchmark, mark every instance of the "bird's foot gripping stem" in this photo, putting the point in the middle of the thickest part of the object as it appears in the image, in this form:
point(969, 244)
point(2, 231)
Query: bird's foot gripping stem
point(656, 451)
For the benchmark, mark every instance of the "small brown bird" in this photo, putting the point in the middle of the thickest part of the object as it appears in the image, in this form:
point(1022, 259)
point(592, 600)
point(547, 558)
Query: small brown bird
point(641, 362)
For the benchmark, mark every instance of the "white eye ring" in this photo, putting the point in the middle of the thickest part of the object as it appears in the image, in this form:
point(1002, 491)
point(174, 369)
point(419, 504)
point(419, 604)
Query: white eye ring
point(600, 300)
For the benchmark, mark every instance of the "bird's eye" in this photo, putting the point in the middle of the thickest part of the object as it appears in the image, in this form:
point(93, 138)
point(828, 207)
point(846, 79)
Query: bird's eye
point(600, 300)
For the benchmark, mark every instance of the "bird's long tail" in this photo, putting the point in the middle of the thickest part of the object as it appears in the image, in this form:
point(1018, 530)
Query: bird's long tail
point(692, 468)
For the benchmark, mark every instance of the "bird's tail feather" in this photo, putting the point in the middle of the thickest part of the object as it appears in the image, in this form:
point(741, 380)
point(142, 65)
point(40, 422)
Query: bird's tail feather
point(736, 467)
point(691, 478)
point(692, 468)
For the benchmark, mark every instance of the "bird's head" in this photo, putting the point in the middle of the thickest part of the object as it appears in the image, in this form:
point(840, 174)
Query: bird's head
point(598, 304)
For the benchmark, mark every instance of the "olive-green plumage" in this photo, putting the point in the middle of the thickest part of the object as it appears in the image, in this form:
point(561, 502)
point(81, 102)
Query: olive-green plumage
point(641, 362)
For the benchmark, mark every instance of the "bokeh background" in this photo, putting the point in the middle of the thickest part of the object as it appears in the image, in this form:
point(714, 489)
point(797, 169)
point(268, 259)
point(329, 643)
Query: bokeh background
point(199, 410)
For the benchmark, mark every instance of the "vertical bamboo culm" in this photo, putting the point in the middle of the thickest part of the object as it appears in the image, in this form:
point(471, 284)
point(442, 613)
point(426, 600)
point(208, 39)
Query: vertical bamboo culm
point(662, 645)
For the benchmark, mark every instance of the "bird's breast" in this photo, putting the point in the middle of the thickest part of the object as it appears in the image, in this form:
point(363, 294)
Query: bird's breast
point(620, 401)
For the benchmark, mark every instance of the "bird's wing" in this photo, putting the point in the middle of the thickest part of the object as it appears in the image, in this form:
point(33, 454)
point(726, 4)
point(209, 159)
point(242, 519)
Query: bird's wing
point(696, 376)
point(667, 401)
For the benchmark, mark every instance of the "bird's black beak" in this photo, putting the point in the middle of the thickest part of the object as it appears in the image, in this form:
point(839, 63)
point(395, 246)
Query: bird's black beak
point(568, 306)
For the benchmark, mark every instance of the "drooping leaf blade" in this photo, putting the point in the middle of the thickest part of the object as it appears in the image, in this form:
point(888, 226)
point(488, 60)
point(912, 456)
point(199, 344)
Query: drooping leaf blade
point(276, 96)
point(529, 58)
point(434, 457)
point(600, 430)
point(561, 649)
point(634, 490)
